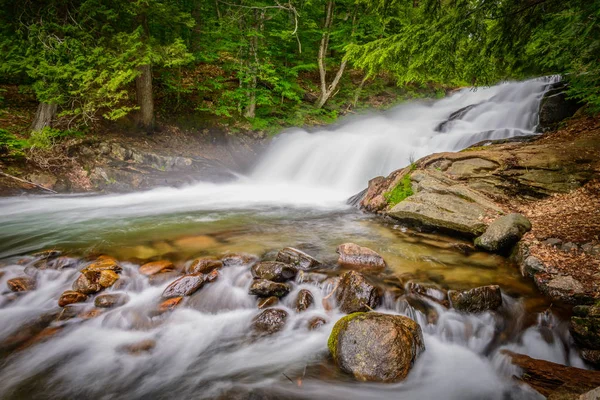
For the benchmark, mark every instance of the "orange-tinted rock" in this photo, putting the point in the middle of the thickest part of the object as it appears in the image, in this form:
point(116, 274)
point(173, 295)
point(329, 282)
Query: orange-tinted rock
point(70, 297)
point(205, 265)
point(21, 284)
point(89, 314)
point(195, 243)
point(155, 267)
point(44, 335)
point(267, 302)
point(169, 304)
point(85, 285)
point(316, 323)
point(104, 263)
point(304, 300)
point(107, 278)
point(362, 258)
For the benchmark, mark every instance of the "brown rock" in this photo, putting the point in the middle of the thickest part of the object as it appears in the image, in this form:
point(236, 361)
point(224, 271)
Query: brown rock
point(85, 285)
point(310, 277)
point(188, 284)
point(267, 302)
point(376, 347)
point(205, 265)
point(21, 284)
point(110, 300)
point(155, 267)
point(304, 300)
point(265, 288)
point(356, 294)
point(480, 299)
point(169, 304)
point(316, 323)
point(107, 278)
point(142, 346)
point(429, 290)
point(269, 321)
point(70, 297)
point(274, 271)
point(298, 259)
point(163, 277)
point(354, 256)
point(104, 263)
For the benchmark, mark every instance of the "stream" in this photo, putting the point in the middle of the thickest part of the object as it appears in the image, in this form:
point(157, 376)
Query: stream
point(295, 196)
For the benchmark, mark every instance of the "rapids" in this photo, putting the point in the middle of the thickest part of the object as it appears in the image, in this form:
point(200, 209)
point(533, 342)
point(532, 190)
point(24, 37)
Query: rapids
point(295, 196)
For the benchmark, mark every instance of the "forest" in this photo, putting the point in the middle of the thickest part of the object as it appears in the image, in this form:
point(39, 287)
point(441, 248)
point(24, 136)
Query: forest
point(263, 65)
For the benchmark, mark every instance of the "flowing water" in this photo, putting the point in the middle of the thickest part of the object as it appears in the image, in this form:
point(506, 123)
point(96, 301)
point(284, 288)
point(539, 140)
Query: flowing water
point(295, 196)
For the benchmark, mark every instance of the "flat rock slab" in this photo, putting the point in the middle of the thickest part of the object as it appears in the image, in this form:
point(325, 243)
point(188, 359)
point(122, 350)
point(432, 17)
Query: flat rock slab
point(298, 259)
point(357, 257)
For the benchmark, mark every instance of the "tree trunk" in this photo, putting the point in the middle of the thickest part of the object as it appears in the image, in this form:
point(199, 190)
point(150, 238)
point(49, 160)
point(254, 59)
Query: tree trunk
point(143, 87)
point(43, 116)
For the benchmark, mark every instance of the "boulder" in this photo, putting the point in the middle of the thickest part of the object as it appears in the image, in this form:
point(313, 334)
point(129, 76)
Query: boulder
point(356, 294)
point(480, 299)
point(267, 302)
point(107, 278)
point(563, 288)
point(156, 267)
point(71, 297)
point(21, 284)
point(110, 300)
point(104, 263)
point(503, 233)
point(585, 329)
point(188, 284)
point(205, 265)
point(376, 347)
point(304, 300)
point(274, 271)
point(555, 107)
point(269, 321)
point(362, 258)
point(265, 288)
point(298, 259)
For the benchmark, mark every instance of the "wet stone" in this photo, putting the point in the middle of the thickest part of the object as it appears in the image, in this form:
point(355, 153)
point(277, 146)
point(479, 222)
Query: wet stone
point(376, 347)
point(310, 277)
point(298, 259)
point(484, 298)
point(205, 265)
point(304, 300)
point(265, 288)
point(156, 267)
point(430, 290)
point(238, 259)
point(267, 302)
point(110, 300)
point(104, 263)
point(140, 347)
point(362, 258)
point(503, 233)
point(356, 294)
point(169, 304)
point(269, 321)
point(107, 278)
point(274, 271)
point(70, 297)
point(21, 284)
point(163, 277)
point(315, 323)
point(188, 284)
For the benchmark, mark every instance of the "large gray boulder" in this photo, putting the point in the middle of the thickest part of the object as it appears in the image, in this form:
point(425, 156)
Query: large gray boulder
point(376, 347)
point(503, 233)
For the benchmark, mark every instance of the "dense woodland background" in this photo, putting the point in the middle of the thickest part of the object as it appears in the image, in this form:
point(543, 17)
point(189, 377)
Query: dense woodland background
point(263, 65)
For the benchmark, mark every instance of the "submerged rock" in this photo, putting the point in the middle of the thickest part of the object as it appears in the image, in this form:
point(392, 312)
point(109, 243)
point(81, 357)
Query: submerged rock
point(298, 259)
point(354, 256)
point(304, 300)
point(85, 285)
point(430, 290)
point(265, 288)
point(315, 323)
point(356, 294)
point(267, 302)
point(143, 346)
point(480, 299)
point(310, 277)
point(269, 321)
point(376, 347)
point(156, 267)
point(169, 304)
point(110, 300)
point(21, 284)
point(188, 284)
point(238, 259)
point(503, 233)
point(71, 297)
point(274, 271)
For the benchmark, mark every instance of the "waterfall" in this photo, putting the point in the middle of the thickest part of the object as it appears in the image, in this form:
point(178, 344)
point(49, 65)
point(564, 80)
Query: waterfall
point(347, 156)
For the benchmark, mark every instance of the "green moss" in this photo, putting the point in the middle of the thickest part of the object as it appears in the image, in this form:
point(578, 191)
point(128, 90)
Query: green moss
point(341, 324)
point(402, 190)
point(476, 148)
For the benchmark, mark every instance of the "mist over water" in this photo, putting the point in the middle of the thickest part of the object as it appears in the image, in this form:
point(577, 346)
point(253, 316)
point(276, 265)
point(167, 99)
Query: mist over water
point(295, 195)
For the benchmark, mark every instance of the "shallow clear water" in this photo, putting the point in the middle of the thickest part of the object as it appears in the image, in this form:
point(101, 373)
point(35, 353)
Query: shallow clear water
point(295, 197)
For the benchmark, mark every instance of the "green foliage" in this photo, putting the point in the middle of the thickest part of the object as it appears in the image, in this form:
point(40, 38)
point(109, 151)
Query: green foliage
point(402, 190)
point(10, 145)
point(46, 138)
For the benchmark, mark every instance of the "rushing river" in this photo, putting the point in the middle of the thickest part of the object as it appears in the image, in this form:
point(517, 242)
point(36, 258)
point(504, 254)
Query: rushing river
point(295, 196)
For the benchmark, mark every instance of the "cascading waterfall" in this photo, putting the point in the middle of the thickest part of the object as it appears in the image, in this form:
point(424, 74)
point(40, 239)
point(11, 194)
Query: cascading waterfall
point(295, 195)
